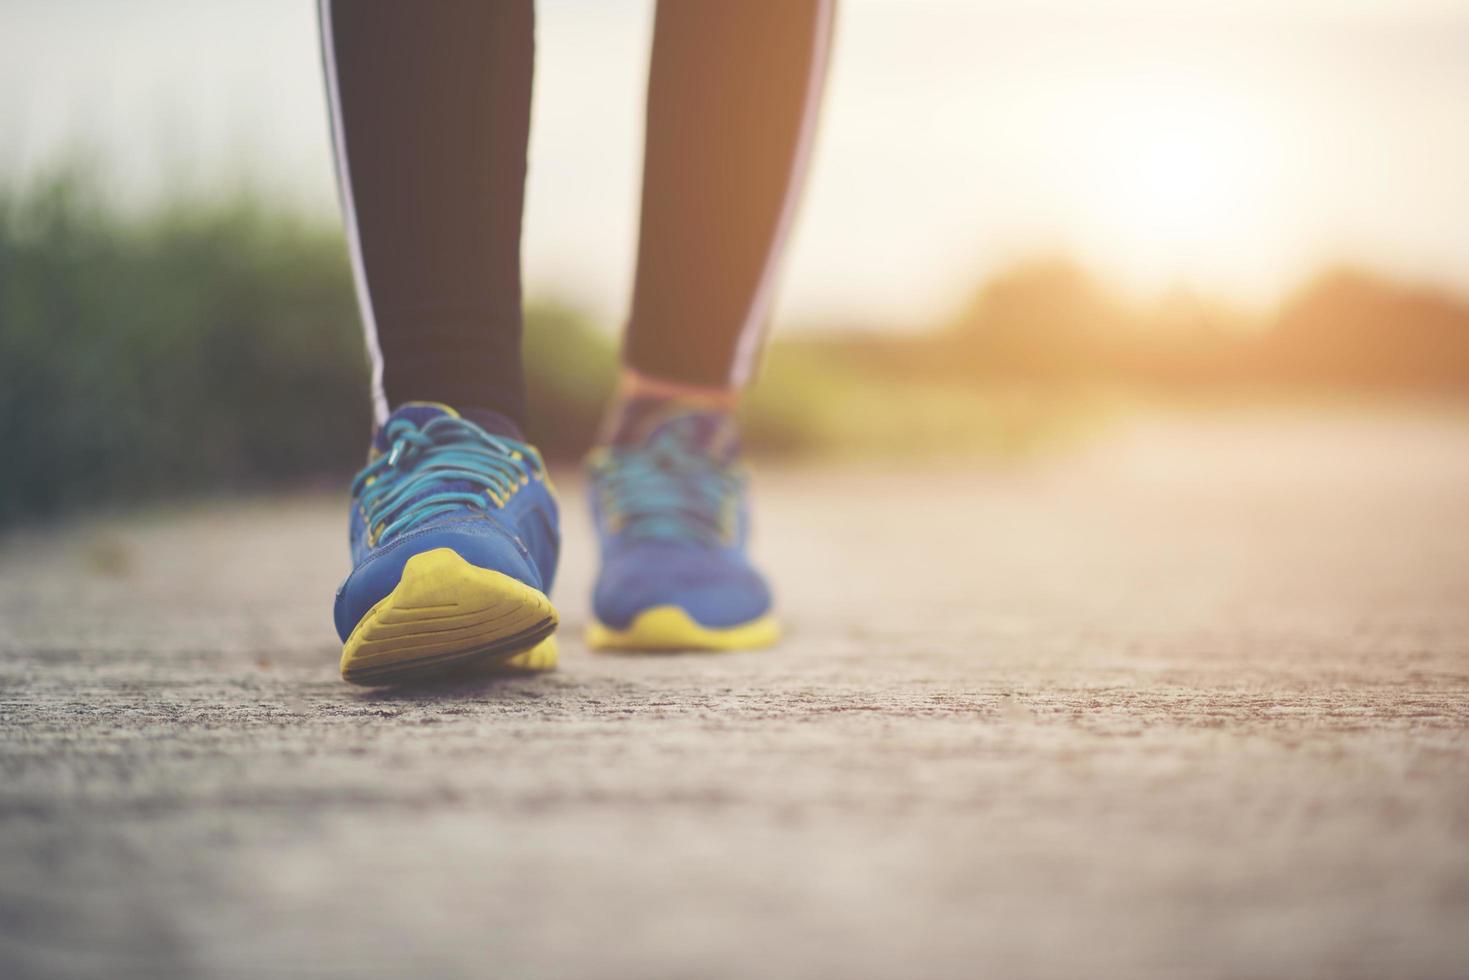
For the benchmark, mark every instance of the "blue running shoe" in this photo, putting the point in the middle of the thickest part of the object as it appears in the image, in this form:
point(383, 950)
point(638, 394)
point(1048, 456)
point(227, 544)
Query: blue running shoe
point(455, 536)
point(668, 502)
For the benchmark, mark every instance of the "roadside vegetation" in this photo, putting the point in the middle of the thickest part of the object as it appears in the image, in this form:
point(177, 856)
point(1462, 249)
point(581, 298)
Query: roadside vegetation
point(213, 345)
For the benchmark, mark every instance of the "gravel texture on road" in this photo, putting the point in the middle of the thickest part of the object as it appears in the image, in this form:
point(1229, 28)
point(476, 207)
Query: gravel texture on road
point(1191, 702)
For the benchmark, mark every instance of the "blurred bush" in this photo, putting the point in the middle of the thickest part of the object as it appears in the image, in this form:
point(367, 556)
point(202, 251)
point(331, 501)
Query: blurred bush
point(210, 345)
point(214, 345)
point(1351, 329)
point(204, 345)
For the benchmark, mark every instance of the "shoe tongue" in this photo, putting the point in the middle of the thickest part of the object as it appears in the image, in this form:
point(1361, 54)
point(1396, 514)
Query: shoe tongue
point(641, 421)
point(421, 413)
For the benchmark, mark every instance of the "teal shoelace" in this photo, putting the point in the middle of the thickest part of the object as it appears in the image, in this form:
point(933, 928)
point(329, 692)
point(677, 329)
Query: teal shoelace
point(668, 490)
point(439, 468)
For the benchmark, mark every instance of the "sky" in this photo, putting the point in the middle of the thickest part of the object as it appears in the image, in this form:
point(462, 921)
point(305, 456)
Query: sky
point(1228, 149)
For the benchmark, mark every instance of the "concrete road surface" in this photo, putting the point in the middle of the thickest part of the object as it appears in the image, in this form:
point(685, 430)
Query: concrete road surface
point(1191, 702)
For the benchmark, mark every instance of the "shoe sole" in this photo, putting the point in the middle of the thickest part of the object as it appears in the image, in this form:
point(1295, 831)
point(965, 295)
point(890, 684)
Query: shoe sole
point(669, 629)
point(544, 656)
point(446, 615)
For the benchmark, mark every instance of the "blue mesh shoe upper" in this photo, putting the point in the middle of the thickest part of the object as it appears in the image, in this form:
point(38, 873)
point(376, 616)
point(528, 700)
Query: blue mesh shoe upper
point(668, 499)
point(437, 479)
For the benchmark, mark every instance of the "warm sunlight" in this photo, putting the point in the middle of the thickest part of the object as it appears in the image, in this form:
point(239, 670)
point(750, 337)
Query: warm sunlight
point(1183, 184)
point(1232, 149)
point(1011, 507)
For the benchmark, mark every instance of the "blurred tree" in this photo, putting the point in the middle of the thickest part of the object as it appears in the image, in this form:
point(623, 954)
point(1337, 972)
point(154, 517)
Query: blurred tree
point(1348, 328)
point(215, 345)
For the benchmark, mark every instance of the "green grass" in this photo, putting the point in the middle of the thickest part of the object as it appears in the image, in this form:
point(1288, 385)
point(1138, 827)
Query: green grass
point(213, 345)
point(209, 345)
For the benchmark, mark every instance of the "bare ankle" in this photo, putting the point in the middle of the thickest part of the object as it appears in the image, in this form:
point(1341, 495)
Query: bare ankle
point(634, 385)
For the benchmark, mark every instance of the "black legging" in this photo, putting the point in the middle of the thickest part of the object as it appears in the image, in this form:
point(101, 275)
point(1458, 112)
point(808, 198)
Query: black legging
point(431, 106)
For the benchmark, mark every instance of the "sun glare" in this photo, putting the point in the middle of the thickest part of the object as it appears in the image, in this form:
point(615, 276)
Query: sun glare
point(1180, 187)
